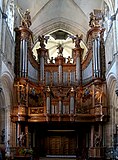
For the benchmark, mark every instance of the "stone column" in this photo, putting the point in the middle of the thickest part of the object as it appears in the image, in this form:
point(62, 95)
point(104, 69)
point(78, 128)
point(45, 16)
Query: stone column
point(7, 123)
point(2, 123)
point(3, 31)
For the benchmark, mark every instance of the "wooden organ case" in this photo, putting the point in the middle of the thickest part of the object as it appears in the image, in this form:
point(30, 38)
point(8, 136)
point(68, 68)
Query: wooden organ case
point(61, 105)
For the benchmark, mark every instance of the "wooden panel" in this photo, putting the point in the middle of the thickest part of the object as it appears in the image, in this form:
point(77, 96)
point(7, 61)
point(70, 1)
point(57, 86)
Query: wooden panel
point(61, 145)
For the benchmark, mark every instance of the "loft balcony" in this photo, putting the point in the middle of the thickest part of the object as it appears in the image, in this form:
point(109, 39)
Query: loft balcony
point(37, 114)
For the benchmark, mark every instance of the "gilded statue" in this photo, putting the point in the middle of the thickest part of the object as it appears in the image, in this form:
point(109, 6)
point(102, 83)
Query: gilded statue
point(98, 95)
point(25, 17)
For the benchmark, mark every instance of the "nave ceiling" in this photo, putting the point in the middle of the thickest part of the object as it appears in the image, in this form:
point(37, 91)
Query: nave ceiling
point(49, 16)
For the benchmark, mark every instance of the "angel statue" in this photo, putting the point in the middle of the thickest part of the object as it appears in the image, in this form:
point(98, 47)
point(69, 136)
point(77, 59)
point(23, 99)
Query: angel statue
point(76, 39)
point(43, 40)
point(25, 17)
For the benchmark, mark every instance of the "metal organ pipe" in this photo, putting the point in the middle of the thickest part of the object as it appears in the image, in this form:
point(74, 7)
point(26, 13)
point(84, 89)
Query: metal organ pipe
point(25, 33)
point(71, 104)
point(42, 69)
point(96, 57)
point(60, 74)
point(23, 58)
point(78, 65)
point(48, 104)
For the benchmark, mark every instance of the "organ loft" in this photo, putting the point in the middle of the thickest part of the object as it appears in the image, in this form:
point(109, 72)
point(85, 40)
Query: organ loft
point(60, 103)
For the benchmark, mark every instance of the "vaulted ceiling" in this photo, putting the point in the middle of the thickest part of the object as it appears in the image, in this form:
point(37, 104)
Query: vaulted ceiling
point(54, 14)
point(50, 17)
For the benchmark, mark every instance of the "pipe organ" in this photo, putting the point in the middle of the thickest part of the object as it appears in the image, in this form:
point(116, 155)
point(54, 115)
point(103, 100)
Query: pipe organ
point(59, 90)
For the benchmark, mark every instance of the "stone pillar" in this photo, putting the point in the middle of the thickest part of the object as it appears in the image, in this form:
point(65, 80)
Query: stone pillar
point(7, 124)
point(3, 31)
point(116, 90)
point(2, 124)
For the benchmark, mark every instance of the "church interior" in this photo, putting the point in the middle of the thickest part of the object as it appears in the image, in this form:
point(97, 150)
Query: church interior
point(58, 79)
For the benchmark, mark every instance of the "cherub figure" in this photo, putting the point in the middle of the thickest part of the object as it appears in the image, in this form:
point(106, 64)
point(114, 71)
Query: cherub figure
point(43, 40)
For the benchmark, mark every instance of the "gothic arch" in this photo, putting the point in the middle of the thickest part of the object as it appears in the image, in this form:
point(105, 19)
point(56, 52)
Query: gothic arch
point(7, 83)
point(60, 24)
point(111, 84)
point(112, 98)
point(2, 115)
point(110, 3)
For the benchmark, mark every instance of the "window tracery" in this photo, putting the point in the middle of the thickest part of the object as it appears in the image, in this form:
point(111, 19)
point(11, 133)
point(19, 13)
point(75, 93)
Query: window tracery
point(107, 20)
point(10, 15)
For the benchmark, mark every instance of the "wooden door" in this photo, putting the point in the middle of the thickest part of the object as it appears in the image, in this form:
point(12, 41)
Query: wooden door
point(61, 145)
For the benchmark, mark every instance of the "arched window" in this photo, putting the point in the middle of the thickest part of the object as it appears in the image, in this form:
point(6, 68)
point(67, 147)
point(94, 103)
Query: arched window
point(10, 15)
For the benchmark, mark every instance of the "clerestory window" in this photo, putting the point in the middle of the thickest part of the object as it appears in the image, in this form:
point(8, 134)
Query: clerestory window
point(10, 15)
